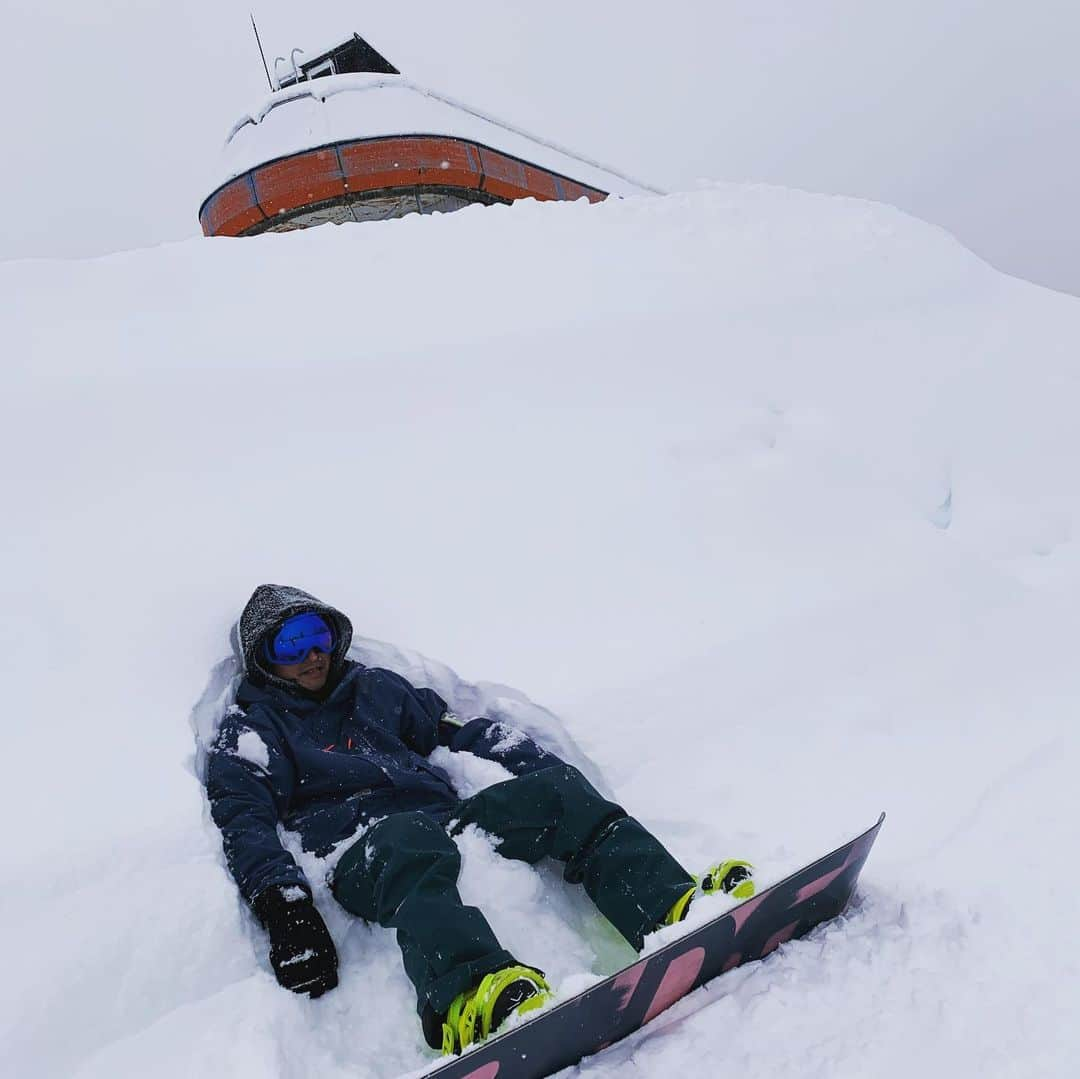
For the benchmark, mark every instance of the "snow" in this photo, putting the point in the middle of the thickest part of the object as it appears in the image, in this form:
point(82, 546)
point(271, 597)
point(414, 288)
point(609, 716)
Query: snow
point(342, 108)
point(469, 773)
point(250, 747)
point(765, 503)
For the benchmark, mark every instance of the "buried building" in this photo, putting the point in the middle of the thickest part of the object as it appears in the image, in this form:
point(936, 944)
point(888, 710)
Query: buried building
point(345, 137)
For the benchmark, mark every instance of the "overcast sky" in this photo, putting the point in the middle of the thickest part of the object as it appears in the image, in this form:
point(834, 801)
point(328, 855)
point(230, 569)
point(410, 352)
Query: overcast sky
point(963, 112)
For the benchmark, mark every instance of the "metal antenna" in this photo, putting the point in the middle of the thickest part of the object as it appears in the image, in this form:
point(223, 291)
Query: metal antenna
point(261, 53)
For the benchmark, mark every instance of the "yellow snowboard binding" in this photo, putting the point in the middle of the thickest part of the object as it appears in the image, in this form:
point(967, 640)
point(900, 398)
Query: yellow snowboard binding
point(733, 877)
point(478, 1012)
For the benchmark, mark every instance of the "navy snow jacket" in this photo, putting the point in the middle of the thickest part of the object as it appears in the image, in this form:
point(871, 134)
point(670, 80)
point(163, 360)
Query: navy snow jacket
point(323, 765)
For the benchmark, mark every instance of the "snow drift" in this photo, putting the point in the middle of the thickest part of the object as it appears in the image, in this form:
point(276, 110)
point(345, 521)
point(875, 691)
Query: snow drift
point(770, 497)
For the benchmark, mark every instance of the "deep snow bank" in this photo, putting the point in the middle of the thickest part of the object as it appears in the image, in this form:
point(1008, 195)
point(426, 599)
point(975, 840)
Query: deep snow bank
point(770, 497)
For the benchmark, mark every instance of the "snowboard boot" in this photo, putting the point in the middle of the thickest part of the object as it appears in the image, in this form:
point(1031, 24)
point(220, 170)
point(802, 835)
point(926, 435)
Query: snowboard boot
point(477, 1013)
point(733, 877)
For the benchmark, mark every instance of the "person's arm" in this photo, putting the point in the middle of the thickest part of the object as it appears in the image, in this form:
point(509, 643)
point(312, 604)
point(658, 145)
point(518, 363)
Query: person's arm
point(495, 741)
point(427, 722)
point(249, 782)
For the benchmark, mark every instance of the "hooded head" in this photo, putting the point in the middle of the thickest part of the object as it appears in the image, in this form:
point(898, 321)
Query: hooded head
point(270, 605)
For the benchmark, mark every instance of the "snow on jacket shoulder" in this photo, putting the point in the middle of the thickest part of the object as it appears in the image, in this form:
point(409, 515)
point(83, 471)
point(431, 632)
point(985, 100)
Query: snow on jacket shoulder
point(323, 768)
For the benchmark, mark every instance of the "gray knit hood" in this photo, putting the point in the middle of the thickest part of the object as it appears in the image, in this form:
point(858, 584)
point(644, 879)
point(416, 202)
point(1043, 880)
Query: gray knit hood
point(269, 606)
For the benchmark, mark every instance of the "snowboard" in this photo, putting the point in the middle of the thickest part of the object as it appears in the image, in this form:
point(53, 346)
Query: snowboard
point(607, 1012)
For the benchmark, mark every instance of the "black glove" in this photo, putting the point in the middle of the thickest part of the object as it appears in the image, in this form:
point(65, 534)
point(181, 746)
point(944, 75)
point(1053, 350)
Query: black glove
point(302, 952)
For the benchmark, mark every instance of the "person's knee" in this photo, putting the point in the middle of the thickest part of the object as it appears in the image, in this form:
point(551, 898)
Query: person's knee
point(560, 777)
point(401, 844)
point(412, 838)
point(414, 828)
point(566, 787)
point(349, 882)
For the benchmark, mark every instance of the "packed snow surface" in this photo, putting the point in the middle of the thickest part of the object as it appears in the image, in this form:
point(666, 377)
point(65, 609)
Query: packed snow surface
point(765, 505)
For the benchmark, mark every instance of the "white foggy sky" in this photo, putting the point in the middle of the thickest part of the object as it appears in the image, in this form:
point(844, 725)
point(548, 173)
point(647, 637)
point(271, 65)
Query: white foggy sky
point(964, 113)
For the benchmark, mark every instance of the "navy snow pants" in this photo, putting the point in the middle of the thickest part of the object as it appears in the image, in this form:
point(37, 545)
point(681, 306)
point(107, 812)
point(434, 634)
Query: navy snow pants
point(402, 873)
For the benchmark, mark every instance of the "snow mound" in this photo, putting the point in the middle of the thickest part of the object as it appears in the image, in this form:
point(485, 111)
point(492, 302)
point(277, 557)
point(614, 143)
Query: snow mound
point(771, 498)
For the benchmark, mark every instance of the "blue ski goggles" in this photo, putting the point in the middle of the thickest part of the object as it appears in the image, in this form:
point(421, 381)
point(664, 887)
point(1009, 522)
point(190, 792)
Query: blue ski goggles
point(297, 637)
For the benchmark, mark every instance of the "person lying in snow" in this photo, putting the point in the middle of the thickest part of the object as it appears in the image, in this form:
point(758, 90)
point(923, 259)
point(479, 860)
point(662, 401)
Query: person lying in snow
point(326, 747)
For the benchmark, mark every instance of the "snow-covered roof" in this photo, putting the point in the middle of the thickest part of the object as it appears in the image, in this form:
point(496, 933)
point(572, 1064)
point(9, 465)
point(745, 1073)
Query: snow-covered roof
point(341, 108)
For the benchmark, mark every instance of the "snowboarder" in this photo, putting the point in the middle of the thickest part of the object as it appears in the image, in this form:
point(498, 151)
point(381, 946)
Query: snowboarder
point(335, 751)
